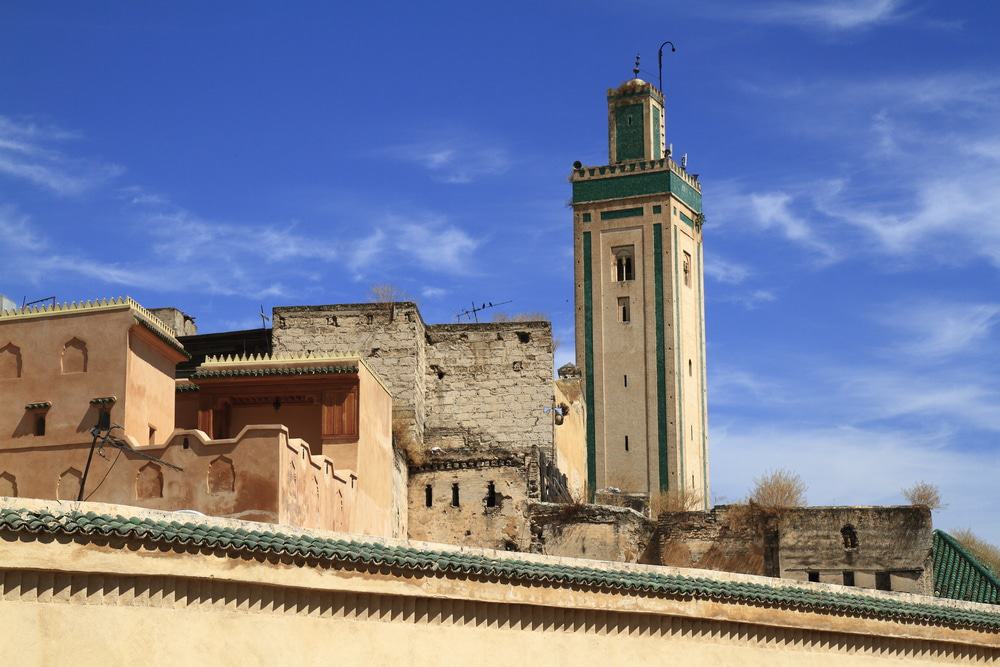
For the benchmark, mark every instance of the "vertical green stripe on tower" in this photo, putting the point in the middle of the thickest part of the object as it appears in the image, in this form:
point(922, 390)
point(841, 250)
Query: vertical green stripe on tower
point(588, 346)
point(678, 365)
point(704, 362)
point(657, 152)
point(661, 364)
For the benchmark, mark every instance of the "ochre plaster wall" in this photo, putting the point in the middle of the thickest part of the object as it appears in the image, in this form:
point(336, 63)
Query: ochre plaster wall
point(41, 341)
point(149, 399)
point(230, 609)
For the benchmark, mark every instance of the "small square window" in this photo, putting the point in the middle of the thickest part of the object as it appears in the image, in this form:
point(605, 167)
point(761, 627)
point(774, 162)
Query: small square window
point(657, 209)
point(585, 217)
point(883, 581)
point(814, 577)
point(848, 578)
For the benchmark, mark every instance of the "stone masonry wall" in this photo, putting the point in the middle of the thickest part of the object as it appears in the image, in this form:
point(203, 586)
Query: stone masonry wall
point(597, 532)
point(488, 386)
point(389, 336)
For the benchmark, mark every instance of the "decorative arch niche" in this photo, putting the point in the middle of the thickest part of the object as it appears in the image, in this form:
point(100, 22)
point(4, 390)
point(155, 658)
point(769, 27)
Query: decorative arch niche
point(68, 487)
point(74, 356)
point(221, 476)
point(8, 485)
point(149, 482)
point(10, 362)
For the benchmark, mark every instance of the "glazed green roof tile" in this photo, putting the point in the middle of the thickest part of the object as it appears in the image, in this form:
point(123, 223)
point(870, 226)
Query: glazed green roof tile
point(204, 373)
point(40, 405)
point(169, 340)
point(186, 387)
point(355, 552)
point(959, 576)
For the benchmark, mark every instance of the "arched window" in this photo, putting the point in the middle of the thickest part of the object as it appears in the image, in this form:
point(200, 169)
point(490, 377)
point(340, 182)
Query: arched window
point(624, 263)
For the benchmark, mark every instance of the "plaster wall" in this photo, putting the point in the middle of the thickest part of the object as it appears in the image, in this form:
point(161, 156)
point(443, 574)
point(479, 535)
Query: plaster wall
point(472, 522)
point(150, 393)
point(40, 342)
point(229, 609)
point(569, 437)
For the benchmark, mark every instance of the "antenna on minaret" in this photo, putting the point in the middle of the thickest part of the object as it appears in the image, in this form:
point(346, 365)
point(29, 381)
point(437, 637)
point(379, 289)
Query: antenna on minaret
point(635, 70)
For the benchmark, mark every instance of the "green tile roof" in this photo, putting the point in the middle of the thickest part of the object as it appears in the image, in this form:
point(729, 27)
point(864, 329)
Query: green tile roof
point(959, 576)
point(84, 527)
point(204, 373)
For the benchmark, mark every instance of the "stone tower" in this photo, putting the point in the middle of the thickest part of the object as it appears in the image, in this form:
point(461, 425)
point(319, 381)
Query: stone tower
point(640, 316)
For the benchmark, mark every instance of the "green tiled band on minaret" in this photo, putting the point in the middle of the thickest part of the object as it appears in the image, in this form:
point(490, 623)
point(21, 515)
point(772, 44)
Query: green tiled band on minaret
point(588, 333)
point(661, 369)
point(628, 132)
point(634, 185)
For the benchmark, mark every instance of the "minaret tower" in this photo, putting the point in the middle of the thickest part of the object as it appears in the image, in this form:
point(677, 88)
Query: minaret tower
point(640, 314)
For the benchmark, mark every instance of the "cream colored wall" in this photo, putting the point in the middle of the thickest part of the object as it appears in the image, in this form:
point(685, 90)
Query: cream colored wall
point(688, 345)
point(149, 399)
point(379, 501)
point(570, 437)
point(41, 340)
point(235, 610)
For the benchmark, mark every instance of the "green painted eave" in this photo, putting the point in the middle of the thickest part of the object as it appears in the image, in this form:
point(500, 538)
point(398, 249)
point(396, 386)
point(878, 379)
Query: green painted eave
point(635, 184)
point(958, 575)
point(206, 373)
point(92, 527)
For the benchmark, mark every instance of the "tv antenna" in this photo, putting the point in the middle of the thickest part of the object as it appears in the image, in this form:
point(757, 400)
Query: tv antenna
point(25, 303)
point(264, 319)
point(102, 438)
point(473, 313)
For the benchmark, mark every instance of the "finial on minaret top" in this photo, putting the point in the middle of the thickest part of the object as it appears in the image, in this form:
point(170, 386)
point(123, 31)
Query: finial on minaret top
point(635, 70)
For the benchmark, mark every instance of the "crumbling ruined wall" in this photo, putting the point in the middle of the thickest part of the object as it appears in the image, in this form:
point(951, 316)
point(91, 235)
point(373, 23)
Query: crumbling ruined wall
point(488, 386)
point(472, 521)
point(597, 532)
point(833, 545)
point(569, 439)
point(894, 541)
point(388, 336)
point(727, 538)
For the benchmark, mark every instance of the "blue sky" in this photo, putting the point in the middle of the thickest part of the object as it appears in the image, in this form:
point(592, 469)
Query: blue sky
point(219, 157)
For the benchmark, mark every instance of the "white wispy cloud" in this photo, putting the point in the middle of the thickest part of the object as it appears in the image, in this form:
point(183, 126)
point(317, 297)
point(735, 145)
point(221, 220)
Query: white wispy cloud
point(455, 159)
point(725, 271)
point(429, 292)
point(942, 329)
point(774, 210)
point(841, 15)
point(27, 153)
point(751, 300)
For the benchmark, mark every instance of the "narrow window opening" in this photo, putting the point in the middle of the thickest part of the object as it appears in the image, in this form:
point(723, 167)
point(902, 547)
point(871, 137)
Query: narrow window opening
point(428, 495)
point(850, 537)
point(491, 495)
point(883, 581)
point(104, 419)
point(186, 444)
point(624, 310)
point(814, 577)
point(687, 269)
point(152, 435)
point(626, 443)
point(692, 431)
point(40, 425)
point(454, 494)
point(848, 578)
point(626, 380)
point(690, 368)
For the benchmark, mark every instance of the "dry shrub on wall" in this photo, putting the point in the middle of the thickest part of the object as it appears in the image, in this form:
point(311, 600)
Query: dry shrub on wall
point(924, 494)
point(778, 489)
point(386, 293)
point(681, 500)
point(986, 553)
point(403, 440)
